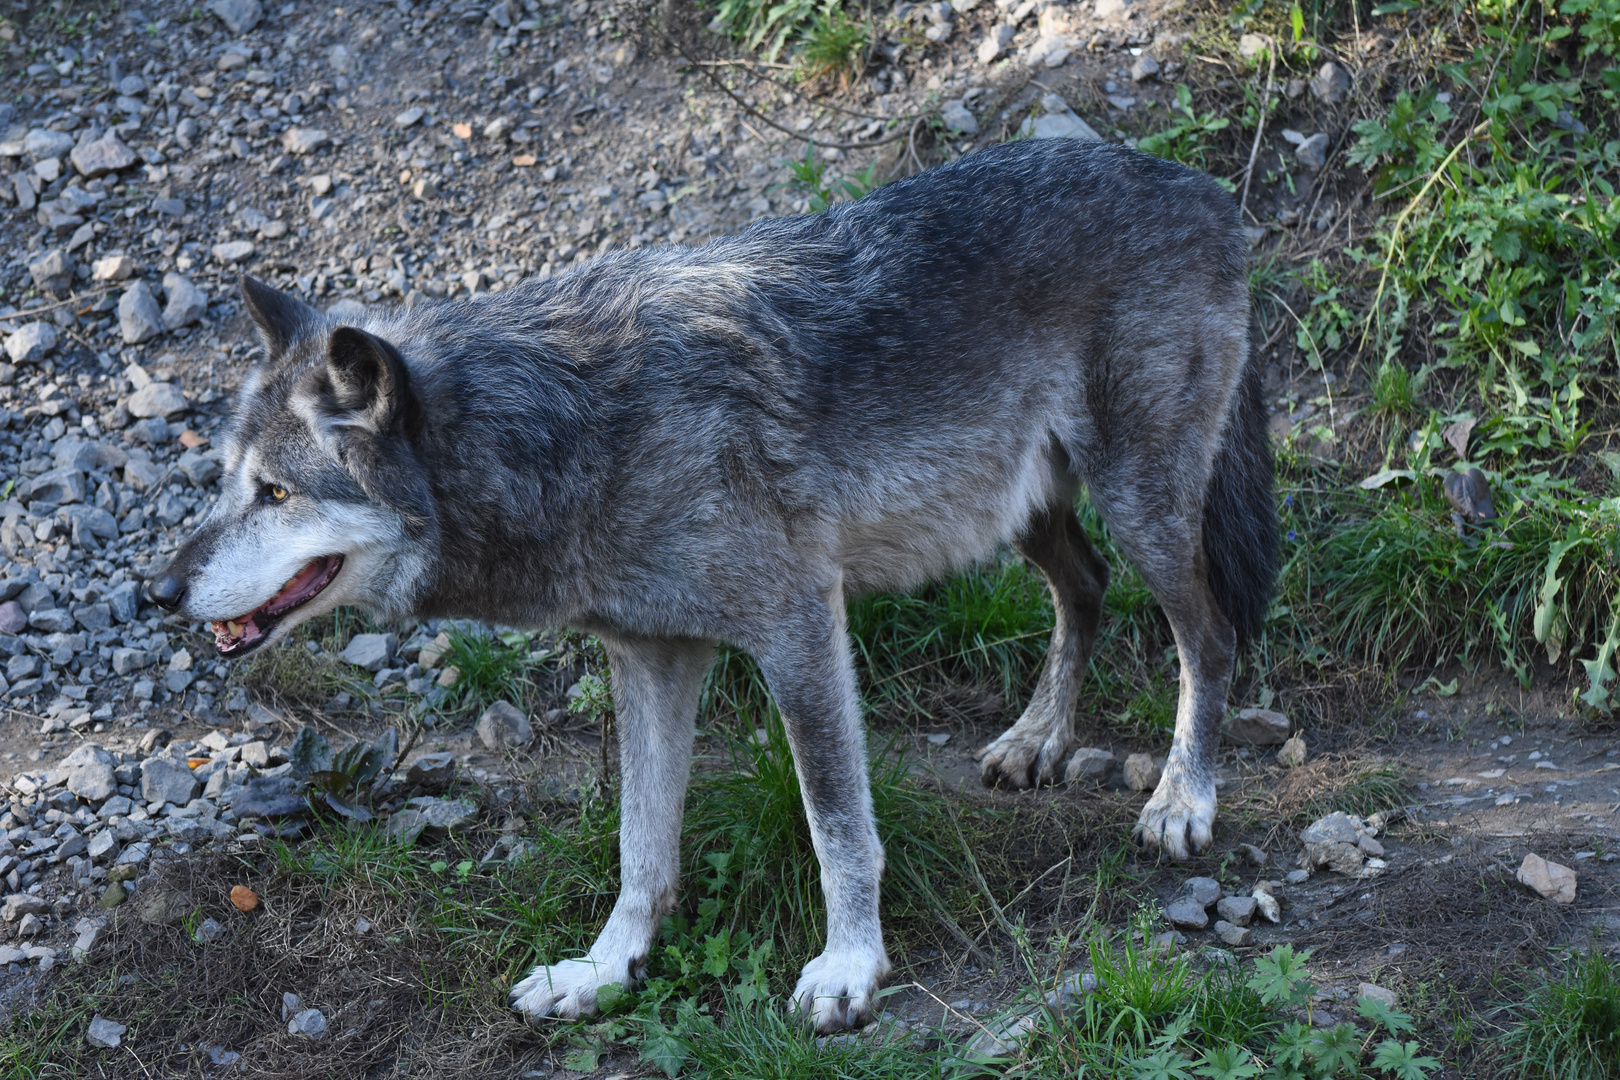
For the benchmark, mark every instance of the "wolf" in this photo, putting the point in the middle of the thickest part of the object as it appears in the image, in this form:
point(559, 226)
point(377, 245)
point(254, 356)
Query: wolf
point(671, 448)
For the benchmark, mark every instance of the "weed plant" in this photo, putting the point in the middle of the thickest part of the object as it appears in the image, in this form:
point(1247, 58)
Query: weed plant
point(1570, 1029)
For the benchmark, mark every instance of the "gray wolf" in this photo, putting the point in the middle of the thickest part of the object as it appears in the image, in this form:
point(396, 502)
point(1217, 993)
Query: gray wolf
point(671, 448)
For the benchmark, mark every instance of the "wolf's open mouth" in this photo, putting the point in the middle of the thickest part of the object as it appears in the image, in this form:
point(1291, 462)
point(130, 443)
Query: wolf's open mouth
point(241, 635)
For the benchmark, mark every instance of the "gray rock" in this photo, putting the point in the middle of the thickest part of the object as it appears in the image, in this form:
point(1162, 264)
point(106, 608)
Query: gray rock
point(1204, 890)
point(30, 926)
point(239, 16)
point(232, 251)
point(200, 468)
point(1336, 828)
point(52, 271)
point(1142, 772)
point(104, 1033)
point(117, 806)
point(311, 1024)
point(105, 155)
point(42, 143)
point(131, 86)
point(124, 602)
point(208, 931)
point(186, 302)
point(164, 780)
point(1258, 727)
point(1254, 856)
point(432, 772)
point(1331, 83)
point(59, 486)
point(1089, 764)
point(1059, 122)
point(31, 343)
point(1187, 914)
point(503, 724)
point(103, 847)
point(1238, 910)
point(957, 118)
point(17, 905)
point(410, 116)
point(1144, 69)
point(93, 782)
point(1378, 993)
point(139, 318)
point(1292, 754)
point(1232, 934)
point(369, 651)
point(438, 815)
point(159, 399)
point(51, 621)
point(298, 140)
point(12, 617)
point(1312, 153)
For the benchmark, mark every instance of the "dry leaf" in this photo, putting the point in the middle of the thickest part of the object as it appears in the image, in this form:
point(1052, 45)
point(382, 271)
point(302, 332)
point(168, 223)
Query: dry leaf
point(244, 898)
point(523, 161)
point(461, 131)
point(1457, 433)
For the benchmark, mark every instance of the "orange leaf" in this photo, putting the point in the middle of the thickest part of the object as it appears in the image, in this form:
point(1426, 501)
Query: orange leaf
point(461, 131)
point(244, 898)
point(523, 161)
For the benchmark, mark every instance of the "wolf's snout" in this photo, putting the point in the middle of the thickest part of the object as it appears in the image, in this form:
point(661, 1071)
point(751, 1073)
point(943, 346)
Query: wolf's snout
point(167, 590)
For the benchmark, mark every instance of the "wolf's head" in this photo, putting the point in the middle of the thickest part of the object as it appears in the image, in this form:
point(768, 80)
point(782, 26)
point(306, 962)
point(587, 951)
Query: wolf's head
point(322, 501)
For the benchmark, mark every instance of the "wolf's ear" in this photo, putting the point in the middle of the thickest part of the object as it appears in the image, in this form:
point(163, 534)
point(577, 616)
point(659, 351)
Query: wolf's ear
point(367, 376)
point(279, 316)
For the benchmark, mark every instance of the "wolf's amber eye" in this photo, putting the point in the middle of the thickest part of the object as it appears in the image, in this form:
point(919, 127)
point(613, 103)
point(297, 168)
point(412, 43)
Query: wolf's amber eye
point(272, 493)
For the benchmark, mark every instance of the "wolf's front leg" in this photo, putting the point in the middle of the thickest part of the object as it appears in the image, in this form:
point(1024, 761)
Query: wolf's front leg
point(656, 686)
point(808, 667)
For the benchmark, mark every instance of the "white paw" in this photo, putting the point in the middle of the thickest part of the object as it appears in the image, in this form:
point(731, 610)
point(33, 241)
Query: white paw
point(1180, 817)
point(1021, 759)
point(836, 990)
point(567, 989)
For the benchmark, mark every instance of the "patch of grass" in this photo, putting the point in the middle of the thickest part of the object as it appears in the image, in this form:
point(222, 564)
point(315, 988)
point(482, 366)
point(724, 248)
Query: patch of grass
point(290, 674)
point(493, 668)
point(1570, 1028)
point(835, 46)
point(1394, 390)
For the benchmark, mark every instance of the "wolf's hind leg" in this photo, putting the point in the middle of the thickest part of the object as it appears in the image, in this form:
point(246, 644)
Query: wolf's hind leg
point(1031, 752)
point(656, 686)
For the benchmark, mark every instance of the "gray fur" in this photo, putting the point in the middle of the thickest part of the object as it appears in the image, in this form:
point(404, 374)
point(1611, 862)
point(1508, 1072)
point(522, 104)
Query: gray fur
point(676, 447)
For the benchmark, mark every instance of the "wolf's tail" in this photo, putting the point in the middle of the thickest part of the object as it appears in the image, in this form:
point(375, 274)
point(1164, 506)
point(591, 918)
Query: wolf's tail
point(1240, 512)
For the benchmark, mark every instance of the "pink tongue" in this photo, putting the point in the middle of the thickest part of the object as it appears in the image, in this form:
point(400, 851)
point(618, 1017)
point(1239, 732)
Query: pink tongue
point(300, 582)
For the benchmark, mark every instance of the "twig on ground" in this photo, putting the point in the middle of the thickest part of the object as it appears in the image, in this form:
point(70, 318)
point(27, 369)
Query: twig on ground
point(1260, 129)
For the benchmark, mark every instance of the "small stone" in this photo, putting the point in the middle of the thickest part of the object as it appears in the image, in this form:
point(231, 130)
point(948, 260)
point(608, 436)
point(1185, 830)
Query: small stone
point(112, 268)
point(232, 251)
point(103, 847)
point(112, 896)
point(410, 116)
point(297, 140)
point(1312, 153)
point(41, 144)
point(1265, 902)
point(90, 936)
point(30, 926)
point(1089, 764)
point(239, 16)
point(12, 617)
point(957, 118)
point(369, 651)
point(503, 724)
point(1292, 754)
point(93, 782)
point(18, 905)
point(1331, 83)
point(1111, 9)
point(425, 188)
point(1297, 877)
point(32, 343)
point(105, 155)
point(1058, 122)
point(1335, 828)
point(1252, 46)
point(1378, 993)
point(1187, 914)
point(163, 780)
point(52, 271)
point(1205, 890)
point(1551, 880)
point(1258, 727)
point(996, 41)
point(1233, 935)
point(1142, 772)
point(1144, 69)
point(186, 302)
point(310, 1023)
point(1238, 910)
point(138, 316)
point(432, 772)
point(104, 1033)
point(208, 931)
point(159, 399)
point(449, 676)
point(1370, 846)
point(1253, 855)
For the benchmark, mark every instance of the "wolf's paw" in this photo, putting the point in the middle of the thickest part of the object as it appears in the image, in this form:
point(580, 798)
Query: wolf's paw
point(835, 990)
point(1180, 817)
point(567, 989)
point(1021, 759)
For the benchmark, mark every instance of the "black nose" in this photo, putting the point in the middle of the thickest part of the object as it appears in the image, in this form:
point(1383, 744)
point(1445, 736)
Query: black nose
point(167, 590)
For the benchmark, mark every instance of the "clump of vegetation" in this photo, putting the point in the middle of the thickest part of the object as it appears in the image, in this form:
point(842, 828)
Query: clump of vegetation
point(1570, 1026)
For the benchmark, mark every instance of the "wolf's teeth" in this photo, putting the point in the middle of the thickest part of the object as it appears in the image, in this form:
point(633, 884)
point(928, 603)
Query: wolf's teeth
point(234, 627)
